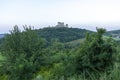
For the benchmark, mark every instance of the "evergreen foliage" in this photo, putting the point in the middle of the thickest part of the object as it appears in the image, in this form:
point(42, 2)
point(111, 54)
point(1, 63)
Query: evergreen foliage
point(23, 53)
point(96, 54)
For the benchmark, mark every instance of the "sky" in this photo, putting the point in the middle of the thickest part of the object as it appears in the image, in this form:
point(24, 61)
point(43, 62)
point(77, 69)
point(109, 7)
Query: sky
point(42, 13)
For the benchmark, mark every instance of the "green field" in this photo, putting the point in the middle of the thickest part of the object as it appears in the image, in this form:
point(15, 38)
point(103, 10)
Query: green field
point(75, 43)
point(1, 57)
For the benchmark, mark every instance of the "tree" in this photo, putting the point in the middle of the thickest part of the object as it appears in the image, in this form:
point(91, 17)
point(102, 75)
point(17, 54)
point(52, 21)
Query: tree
point(96, 54)
point(23, 53)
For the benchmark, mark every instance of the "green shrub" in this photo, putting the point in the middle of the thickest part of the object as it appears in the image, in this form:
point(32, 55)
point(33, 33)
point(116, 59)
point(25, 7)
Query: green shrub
point(96, 54)
point(23, 53)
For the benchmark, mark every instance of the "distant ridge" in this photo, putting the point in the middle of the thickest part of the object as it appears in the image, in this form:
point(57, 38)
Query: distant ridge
point(114, 32)
point(1, 36)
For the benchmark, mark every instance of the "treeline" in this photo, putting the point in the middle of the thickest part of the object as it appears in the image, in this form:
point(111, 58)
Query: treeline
point(113, 33)
point(26, 57)
point(63, 34)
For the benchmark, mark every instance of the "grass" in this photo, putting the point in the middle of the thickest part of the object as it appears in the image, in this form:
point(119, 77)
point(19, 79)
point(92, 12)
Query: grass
point(75, 42)
point(1, 57)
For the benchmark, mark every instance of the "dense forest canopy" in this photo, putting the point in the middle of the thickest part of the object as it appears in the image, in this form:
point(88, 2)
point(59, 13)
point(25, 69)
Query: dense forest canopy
point(63, 34)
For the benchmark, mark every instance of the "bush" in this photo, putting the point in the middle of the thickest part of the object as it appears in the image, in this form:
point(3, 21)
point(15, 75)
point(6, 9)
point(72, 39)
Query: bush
point(23, 53)
point(96, 54)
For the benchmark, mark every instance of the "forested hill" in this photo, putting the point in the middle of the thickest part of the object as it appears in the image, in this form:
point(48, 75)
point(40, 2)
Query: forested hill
point(1, 36)
point(114, 33)
point(63, 34)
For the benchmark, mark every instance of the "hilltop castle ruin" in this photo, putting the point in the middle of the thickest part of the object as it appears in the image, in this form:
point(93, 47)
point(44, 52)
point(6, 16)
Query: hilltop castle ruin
point(61, 24)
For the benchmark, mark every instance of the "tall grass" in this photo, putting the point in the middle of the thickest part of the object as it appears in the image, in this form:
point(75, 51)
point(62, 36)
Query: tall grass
point(113, 74)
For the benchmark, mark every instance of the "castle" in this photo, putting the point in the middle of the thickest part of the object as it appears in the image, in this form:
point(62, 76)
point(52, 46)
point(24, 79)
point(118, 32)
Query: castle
point(61, 24)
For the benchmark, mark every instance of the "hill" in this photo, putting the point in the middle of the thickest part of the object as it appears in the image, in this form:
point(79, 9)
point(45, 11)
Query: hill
point(60, 32)
point(114, 33)
point(63, 34)
point(74, 43)
point(1, 36)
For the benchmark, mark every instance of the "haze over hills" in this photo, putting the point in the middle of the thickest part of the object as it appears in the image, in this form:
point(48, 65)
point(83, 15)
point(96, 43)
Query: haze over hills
point(1, 36)
point(89, 26)
point(112, 29)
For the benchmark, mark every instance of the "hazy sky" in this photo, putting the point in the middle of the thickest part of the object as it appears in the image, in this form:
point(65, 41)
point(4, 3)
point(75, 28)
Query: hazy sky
point(47, 12)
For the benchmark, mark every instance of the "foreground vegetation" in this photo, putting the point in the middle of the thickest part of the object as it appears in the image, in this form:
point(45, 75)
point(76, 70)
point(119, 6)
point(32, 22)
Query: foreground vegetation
point(27, 56)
